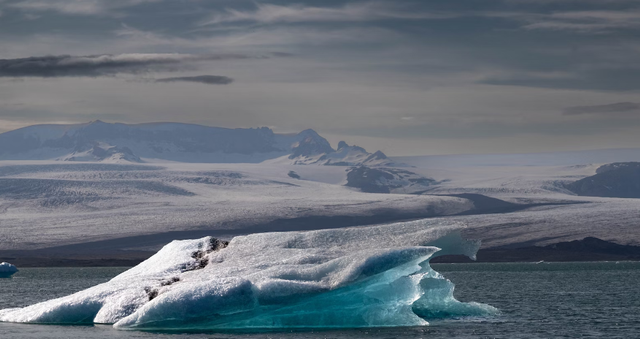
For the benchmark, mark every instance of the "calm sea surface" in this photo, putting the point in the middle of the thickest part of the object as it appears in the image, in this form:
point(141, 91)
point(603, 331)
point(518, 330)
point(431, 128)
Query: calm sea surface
point(547, 300)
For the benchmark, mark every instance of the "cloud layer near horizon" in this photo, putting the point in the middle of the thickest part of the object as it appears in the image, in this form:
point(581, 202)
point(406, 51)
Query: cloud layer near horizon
point(103, 65)
point(203, 79)
point(608, 109)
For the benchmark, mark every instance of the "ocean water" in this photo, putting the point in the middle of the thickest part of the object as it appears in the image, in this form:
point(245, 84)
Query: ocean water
point(546, 300)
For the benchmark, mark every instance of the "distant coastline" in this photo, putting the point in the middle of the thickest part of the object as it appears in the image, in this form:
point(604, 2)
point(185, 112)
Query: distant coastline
point(588, 249)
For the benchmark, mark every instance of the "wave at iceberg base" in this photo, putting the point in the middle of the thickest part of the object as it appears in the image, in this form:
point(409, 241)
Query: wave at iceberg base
point(339, 278)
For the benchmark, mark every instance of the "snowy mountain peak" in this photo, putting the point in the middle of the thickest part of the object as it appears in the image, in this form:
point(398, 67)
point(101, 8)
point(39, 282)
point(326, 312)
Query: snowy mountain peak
point(308, 144)
point(378, 155)
point(344, 147)
point(101, 152)
point(152, 142)
point(160, 141)
point(345, 156)
point(310, 133)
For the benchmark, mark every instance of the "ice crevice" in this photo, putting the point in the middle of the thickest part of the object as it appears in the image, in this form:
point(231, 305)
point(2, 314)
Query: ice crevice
point(374, 276)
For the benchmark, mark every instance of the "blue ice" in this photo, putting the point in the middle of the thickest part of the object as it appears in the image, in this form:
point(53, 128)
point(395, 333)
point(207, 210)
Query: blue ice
point(340, 278)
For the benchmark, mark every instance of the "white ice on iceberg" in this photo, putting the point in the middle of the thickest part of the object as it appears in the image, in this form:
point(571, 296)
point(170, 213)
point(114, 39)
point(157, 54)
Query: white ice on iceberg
point(338, 278)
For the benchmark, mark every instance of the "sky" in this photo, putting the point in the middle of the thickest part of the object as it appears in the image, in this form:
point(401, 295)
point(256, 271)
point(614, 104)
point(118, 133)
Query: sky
point(406, 77)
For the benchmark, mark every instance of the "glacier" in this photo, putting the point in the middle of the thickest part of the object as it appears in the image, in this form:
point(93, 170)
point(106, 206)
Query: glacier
point(376, 276)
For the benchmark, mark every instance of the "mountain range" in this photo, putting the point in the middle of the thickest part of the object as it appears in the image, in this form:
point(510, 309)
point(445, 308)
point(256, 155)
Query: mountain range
point(152, 142)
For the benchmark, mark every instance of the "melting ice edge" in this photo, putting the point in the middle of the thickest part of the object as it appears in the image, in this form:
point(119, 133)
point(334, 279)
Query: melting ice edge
point(340, 278)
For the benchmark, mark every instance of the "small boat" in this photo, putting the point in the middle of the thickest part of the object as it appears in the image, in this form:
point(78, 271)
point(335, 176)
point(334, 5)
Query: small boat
point(7, 270)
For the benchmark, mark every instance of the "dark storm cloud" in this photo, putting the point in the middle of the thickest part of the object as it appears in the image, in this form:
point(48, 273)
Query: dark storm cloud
point(203, 79)
point(619, 107)
point(102, 65)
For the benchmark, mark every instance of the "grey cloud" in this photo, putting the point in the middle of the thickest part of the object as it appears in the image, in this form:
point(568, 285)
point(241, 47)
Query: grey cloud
point(77, 7)
point(203, 79)
point(360, 11)
point(588, 21)
point(619, 107)
point(102, 65)
point(599, 20)
point(488, 129)
point(587, 77)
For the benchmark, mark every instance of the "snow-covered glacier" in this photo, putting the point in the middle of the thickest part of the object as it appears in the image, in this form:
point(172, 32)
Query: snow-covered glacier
point(339, 278)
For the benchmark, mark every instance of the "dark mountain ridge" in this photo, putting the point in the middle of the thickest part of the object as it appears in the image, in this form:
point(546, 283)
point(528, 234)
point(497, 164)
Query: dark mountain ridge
point(615, 180)
point(587, 249)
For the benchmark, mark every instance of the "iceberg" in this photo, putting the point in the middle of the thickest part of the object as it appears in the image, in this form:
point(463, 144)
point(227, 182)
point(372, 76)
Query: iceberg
point(7, 270)
point(376, 276)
